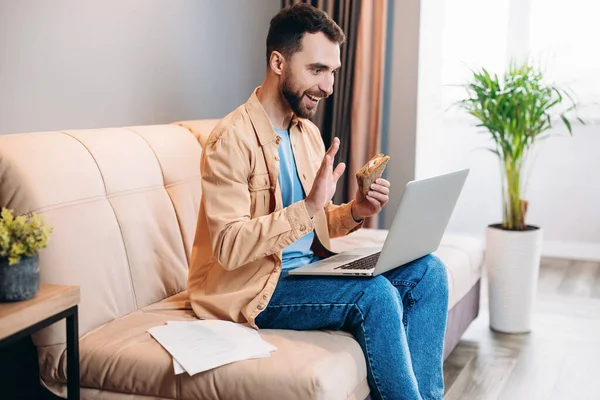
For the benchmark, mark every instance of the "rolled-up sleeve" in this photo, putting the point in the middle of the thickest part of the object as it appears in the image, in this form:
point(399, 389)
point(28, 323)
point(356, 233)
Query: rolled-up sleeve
point(340, 221)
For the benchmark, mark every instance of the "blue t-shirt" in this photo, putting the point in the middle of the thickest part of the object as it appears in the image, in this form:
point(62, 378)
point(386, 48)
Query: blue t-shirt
point(298, 253)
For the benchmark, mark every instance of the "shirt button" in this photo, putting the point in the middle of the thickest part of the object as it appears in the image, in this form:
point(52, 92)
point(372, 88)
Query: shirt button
point(265, 296)
point(276, 158)
point(278, 140)
point(261, 306)
point(302, 228)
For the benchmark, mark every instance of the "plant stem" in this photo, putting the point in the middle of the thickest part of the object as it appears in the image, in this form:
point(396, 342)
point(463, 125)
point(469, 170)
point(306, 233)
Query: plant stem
point(512, 198)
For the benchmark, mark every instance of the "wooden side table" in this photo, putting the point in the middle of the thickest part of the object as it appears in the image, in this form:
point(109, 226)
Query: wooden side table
point(51, 304)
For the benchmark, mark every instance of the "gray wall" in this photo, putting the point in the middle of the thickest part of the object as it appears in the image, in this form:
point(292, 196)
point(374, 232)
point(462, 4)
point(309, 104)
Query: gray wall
point(401, 118)
point(67, 64)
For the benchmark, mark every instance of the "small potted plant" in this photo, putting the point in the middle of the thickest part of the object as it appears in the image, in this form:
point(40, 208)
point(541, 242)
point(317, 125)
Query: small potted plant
point(516, 110)
point(20, 240)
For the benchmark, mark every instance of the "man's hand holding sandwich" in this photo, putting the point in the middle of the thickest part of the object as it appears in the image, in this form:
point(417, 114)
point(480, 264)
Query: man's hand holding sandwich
point(373, 191)
point(371, 195)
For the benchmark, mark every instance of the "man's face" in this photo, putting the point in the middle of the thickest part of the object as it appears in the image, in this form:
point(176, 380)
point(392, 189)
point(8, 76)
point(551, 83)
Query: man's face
point(308, 76)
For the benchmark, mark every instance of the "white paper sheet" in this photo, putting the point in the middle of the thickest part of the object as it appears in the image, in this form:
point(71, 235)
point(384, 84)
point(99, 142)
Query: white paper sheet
point(198, 346)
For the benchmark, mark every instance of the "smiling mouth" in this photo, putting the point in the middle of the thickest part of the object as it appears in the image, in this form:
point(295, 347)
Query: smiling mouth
point(314, 99)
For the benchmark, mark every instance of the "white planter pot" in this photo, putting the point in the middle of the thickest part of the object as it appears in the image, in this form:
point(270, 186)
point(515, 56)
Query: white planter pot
point(512, 263)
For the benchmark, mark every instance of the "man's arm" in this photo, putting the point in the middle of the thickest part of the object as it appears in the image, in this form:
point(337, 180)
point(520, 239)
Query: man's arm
point(237, 239)
point(340, 220)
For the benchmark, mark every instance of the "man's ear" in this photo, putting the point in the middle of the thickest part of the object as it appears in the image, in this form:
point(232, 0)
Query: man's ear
point(276, 62)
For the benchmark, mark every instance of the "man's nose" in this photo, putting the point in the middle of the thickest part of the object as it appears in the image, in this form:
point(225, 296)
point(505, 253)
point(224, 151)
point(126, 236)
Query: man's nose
point(326, 84)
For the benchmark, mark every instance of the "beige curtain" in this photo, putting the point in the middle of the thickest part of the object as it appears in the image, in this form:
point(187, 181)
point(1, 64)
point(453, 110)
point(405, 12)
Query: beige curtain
point(353, 112)
point(367, 99)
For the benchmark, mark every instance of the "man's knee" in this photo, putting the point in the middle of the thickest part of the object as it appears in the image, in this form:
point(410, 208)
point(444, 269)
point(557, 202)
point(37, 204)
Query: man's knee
point(381, 292)
point(435, 275)
point(436, 269)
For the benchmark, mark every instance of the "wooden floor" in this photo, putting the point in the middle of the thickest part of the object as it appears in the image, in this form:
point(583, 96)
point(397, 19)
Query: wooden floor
point(559, 359)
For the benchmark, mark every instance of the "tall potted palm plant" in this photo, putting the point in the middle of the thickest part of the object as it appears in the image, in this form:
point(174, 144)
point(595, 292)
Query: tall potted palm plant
point(516, 110)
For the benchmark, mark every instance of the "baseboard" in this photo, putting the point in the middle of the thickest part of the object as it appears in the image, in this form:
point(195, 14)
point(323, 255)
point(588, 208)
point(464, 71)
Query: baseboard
point(572, 251)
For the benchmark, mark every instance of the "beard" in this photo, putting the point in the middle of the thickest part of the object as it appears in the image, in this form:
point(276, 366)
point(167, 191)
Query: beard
point(294, 99)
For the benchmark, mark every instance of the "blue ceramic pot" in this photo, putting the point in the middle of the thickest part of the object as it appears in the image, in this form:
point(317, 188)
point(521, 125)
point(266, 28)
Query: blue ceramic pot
point(19, 281)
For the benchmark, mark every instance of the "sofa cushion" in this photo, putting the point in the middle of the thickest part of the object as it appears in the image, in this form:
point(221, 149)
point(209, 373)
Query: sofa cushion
point(122, 357)
point(179, 158)
point(462, 255)
point(201, 128)
point(123, 203)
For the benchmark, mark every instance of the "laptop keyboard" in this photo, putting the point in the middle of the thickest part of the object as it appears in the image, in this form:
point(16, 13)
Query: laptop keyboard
point(367, 262)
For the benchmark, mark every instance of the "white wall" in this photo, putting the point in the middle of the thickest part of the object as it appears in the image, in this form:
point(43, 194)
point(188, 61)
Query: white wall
point(564, 183)
point(68, 64)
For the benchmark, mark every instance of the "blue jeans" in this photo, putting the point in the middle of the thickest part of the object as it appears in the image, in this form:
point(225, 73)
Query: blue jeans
point(398, 318)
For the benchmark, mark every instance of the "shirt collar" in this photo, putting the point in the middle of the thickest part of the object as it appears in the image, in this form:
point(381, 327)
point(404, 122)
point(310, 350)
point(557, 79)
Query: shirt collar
point(261, 122)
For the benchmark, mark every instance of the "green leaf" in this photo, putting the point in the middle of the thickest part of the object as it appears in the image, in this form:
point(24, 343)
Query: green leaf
point(496, 152)
point(567, 123)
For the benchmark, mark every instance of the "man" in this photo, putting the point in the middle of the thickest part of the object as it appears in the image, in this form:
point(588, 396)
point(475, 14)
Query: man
point(267, 185)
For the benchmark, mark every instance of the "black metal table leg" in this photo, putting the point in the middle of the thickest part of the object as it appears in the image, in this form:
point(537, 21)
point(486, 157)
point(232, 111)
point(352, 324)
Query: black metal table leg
point(73, 355)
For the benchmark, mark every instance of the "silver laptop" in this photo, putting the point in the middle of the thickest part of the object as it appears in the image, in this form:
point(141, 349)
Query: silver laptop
point(420, 222)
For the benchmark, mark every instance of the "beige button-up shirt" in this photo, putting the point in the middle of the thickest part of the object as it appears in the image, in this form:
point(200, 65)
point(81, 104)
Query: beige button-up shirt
point(242, 226)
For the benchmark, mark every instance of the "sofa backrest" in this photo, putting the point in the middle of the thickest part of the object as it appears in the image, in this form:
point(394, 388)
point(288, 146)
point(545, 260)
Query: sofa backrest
point(123, 203)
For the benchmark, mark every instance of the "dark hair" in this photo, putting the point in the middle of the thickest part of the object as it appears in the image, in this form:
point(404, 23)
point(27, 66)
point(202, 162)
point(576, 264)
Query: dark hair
point(288, 27)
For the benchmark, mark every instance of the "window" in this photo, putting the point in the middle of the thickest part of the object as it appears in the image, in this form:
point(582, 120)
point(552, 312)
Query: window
point(564, 36)
point(474, 34)
point(561, 35)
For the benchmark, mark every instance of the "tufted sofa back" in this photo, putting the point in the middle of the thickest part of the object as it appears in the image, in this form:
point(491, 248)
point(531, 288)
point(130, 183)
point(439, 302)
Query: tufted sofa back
point(123, 203)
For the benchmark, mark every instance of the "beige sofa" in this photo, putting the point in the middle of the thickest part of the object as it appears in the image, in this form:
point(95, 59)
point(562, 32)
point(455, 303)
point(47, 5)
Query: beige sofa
point(123, 203)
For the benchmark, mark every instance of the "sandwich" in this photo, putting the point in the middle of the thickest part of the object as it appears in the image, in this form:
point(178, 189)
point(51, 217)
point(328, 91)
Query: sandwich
point(370, 172)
